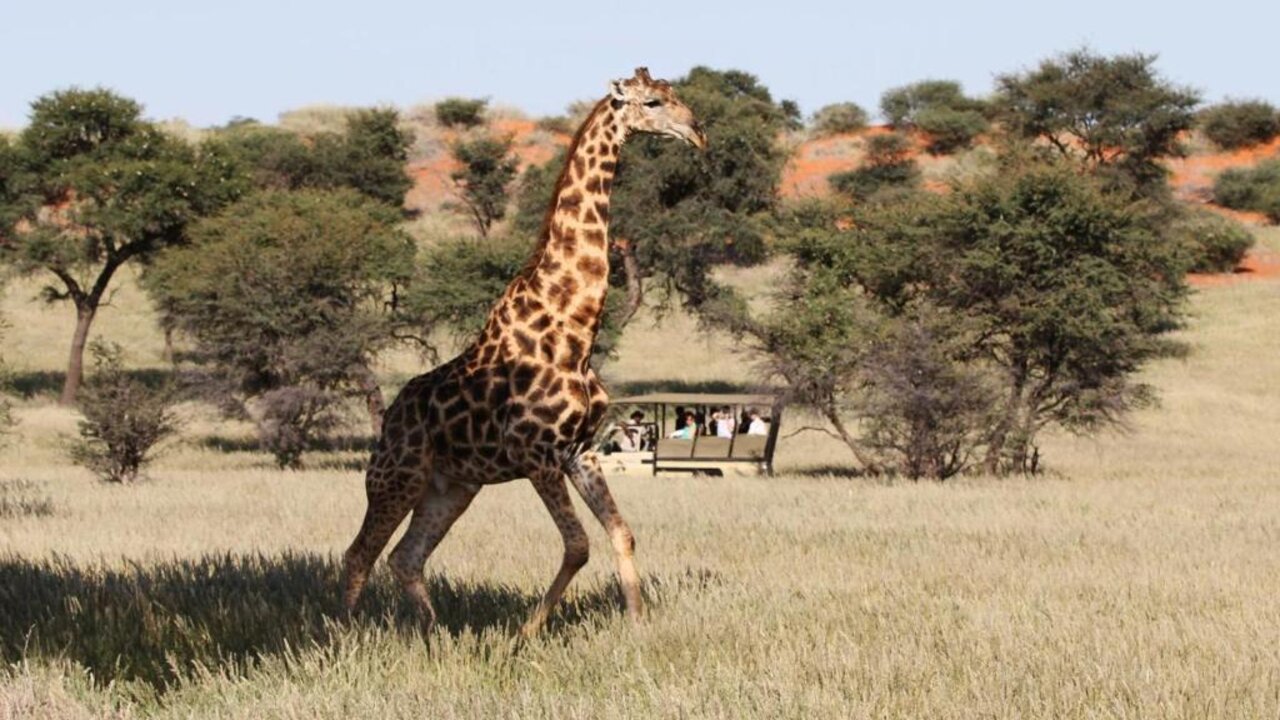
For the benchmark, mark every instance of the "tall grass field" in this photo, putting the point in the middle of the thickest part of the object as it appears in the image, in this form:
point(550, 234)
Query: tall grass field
point(1139, 577)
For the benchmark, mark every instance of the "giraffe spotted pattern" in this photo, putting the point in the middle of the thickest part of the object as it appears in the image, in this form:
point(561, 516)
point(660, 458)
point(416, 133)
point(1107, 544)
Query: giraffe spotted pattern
point(522, 401)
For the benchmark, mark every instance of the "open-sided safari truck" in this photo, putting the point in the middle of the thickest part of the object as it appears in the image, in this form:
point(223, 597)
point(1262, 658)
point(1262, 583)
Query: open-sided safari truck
point(701, 450)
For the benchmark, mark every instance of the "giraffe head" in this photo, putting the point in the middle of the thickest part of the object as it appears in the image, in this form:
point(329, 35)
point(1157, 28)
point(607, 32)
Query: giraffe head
point(651, 106)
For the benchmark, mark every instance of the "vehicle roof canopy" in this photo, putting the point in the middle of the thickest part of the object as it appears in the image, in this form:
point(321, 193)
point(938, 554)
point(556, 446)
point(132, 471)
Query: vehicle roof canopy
point(697, 399)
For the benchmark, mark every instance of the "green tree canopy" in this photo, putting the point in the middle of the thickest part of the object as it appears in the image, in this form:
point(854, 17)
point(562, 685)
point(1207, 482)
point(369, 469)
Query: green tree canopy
point(1115, 113)
point(487, 169)
point(940, 109)
point(90, 186)
point(288, 289)
point(1043, 280)
point(1240, 123)
point(368, 157)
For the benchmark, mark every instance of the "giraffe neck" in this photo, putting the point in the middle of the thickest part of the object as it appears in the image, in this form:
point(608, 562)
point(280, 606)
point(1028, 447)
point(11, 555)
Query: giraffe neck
point(568, 275)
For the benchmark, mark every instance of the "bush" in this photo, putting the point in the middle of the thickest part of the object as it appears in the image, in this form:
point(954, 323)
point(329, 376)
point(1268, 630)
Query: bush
point(902, 106)
point(468, 113)
point(486, 169)
point(1238, 124)
point(556, 124)
point(839, 118)
point(949, 129)
point(123, 418)
point(369, 156)
point(1214, 243)
point(290, 418)
point(19, 498)
point(888, 166)
point(791, 113)
point(926, 410)
point(1256, 189)
point(289, 290)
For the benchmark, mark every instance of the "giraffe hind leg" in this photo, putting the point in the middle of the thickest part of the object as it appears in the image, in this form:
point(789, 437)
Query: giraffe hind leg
point(589, 480)
point(392, 492)
point(434, 514)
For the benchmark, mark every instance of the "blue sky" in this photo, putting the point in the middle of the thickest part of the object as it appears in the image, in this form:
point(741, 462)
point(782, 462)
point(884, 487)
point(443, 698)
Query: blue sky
point(210, 61)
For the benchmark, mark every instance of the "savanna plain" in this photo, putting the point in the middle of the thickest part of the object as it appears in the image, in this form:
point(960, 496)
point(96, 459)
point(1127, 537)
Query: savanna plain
point(1137, 577)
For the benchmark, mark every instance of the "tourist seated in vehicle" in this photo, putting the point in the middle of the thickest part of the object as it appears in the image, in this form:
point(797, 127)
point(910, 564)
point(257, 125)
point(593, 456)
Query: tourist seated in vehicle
point(635, 434)
point(724, 422)
point(758, 425)
point(686, 430)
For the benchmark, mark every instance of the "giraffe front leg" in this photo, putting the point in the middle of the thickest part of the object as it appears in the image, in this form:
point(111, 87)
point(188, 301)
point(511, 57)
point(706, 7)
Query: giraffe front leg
point(551, 488)
point(588, 478)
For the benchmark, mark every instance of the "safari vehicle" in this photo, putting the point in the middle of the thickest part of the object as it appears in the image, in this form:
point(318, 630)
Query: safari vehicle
point(702, 451)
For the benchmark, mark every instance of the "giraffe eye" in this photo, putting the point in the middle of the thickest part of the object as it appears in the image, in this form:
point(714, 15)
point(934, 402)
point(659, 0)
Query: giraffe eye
point(652, 103)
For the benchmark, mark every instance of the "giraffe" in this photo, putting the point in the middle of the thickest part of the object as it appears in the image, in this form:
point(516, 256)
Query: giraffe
point(522, 400)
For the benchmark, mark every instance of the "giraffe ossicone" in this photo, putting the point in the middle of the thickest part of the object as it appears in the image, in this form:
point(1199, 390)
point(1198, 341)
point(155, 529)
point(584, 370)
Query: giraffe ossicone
point(522, 400)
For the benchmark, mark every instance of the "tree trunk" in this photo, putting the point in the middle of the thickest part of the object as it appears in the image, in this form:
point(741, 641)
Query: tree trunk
point(833, 417)
point(169, 355)
point(75, 364)
point(368, 384)
point(635, 285)
point(1000, 435)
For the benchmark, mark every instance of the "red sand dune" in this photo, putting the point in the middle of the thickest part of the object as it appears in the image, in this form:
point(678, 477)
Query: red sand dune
point(432, 185)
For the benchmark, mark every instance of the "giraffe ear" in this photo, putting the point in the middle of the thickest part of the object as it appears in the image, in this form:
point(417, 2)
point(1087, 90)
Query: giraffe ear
point(615, 90)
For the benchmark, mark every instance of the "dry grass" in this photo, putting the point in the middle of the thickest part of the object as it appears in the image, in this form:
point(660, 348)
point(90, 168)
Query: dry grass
point(1138, 579)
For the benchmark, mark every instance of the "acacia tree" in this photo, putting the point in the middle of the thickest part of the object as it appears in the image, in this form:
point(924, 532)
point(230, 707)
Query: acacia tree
point(939, 108)
point(368, 157)
point(487, 169)
point(89, 187)
point(1046, 284)
point(1116, 114)
point(285, 295)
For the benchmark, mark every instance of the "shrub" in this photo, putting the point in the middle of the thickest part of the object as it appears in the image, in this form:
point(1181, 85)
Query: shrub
point(468, 113)
point(486, 169)
point(926, 410)
point(289, 290)
point(369, 156)
point(123, 418)
point(18, 498)
point(1256, 189)
point(949, 129)
point(559, 124)
point(290, 418)
point(839, 118)
point(791, 114)
point(888, 166)
point(1214, 243)
point(1240, 123)
point(902, 106)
